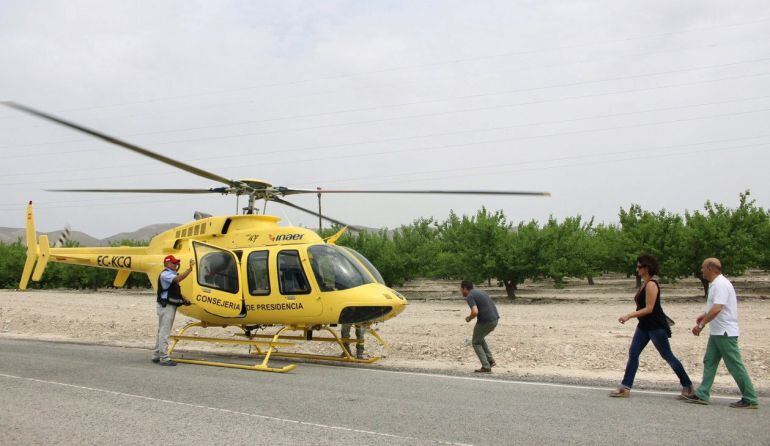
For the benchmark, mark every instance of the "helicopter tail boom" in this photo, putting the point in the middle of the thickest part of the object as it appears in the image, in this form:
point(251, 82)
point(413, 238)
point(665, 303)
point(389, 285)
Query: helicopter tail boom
point(125, 259)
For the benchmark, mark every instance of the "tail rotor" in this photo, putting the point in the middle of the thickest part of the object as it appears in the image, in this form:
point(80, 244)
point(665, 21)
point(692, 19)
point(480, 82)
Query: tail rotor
point(64, 237)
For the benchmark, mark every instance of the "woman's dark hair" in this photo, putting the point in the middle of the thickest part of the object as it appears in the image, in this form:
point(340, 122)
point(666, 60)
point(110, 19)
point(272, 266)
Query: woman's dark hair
point(648, 262)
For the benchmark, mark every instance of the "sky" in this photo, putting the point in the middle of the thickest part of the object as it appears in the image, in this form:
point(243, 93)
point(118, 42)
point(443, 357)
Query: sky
point(601, 103)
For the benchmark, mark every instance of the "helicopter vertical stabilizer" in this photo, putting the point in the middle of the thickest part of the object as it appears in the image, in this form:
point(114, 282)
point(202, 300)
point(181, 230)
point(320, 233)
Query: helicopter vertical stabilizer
point(33, 251)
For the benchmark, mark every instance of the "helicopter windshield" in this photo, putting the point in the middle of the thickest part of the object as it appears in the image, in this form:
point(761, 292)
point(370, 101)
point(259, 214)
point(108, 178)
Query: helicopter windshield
point(367, 264)
point(336, 269)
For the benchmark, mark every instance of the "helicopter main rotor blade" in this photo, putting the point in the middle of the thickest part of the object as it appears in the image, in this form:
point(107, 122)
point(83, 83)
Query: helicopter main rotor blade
point(222, 190)
point(292, 205)
point(171, 162)
point(289, 191)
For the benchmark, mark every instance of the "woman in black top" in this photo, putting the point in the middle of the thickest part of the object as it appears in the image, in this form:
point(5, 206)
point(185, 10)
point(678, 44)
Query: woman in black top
point(653, 326)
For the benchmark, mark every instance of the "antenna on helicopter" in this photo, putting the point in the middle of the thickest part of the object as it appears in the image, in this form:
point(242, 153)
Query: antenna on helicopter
point(320, 221)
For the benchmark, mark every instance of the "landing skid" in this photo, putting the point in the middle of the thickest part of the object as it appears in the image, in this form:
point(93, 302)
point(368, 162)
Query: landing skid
point(266, 346)
point(260, 367)
point(345, 356)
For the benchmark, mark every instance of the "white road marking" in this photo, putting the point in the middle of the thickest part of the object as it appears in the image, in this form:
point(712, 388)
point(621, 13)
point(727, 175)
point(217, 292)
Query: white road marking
point(508, 381)
point(234, 412)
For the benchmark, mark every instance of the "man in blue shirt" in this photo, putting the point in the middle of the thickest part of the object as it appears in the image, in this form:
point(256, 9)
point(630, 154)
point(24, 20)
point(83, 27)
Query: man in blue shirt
point(169, 297)
point(483, 308)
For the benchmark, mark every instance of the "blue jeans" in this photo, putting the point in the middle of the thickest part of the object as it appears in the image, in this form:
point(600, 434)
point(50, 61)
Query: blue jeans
point(659, 339)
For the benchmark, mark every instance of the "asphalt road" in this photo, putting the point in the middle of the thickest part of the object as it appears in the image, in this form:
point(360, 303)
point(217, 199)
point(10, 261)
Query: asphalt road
point(58, 393)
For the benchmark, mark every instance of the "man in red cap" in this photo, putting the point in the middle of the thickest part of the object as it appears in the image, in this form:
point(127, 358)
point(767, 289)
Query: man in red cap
point(169, 297)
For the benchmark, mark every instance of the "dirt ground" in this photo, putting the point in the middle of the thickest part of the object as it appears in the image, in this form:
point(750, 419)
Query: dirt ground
point(565, 335)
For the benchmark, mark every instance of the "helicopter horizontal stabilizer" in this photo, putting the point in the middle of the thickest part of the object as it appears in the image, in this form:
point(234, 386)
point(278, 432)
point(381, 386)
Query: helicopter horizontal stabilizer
point(44, 250)
point(121, 278)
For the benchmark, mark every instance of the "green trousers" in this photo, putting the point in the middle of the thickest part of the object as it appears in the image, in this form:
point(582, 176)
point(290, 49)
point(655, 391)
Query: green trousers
point(725, 347)
point(480, 331)
point(360, 332)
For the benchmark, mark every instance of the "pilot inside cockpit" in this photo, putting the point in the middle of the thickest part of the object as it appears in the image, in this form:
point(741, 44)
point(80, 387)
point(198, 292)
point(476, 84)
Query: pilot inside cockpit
point(218, 271)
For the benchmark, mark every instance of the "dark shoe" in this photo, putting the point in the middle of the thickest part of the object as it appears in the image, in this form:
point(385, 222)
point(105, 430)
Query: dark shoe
point(492, 363)
point(695, 399)
point(621, 392)
point(483, 370)
point(167, 363)
point(687, 392)
point(156, 360)
point(743, 404)
point(360, 356)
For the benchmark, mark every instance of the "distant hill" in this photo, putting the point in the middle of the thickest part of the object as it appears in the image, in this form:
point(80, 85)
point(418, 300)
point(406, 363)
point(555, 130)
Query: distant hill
point(11, 235)
point(145, 233)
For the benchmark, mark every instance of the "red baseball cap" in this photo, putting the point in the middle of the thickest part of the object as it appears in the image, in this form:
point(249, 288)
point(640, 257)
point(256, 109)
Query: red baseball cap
point(170, 258)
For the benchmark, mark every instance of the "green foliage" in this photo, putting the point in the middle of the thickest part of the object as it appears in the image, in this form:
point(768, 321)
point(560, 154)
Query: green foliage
point(11, 263)
point(469, 245)
point(518, 256)
point(661, 234)
point(736, 236)
point(608, 244)
point(567, 249)
point(418, 247)
point(487, 246)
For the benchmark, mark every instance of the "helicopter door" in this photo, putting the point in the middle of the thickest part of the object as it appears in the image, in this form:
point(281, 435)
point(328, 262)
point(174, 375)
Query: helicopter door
point(217, 285)
point(296, 293)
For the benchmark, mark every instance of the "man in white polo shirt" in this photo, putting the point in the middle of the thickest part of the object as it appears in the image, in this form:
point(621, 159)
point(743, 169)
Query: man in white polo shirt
point(722, 314)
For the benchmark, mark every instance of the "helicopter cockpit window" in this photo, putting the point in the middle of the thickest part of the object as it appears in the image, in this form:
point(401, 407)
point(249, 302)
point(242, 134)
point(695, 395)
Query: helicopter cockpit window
point(367, 264)
point(335, 269)
point(291, 277)
point(259, 277)
point(217, 269)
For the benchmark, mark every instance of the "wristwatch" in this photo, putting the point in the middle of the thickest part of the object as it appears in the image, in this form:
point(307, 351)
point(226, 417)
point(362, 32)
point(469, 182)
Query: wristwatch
point(701, 326)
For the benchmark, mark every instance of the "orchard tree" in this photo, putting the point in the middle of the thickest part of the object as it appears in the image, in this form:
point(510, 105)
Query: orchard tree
point(608, 246)
point(567, 250)
point(468, 245)
point(660, 234)
point(764, 242)
point(517, 256)
point(418, 244)
point(732, 235)
point(12, 257)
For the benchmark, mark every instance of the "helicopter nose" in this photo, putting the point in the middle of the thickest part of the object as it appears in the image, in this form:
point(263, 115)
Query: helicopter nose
point(381, 303)
point(397, 301)
point(352, 315)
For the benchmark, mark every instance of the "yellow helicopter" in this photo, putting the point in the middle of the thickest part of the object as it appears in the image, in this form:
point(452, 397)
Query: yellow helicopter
point(249, 272)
